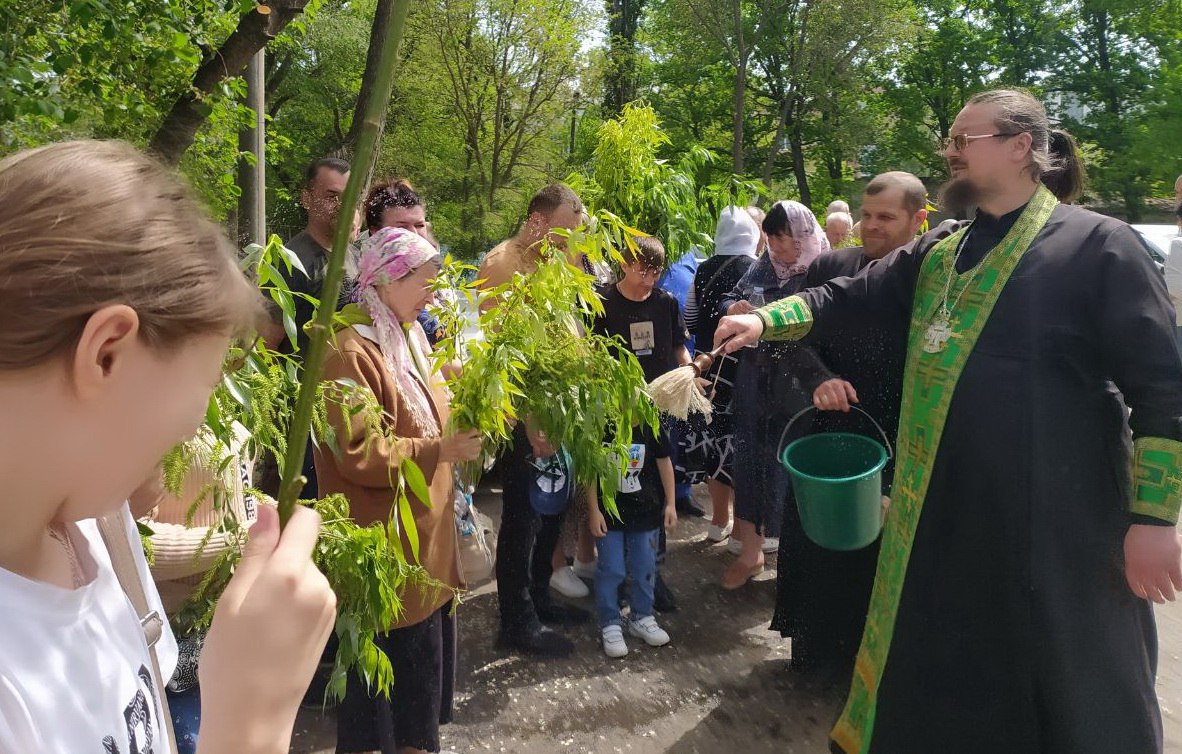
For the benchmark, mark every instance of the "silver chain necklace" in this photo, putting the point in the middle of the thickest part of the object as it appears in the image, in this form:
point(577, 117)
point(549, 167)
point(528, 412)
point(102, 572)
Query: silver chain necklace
point(939, 332)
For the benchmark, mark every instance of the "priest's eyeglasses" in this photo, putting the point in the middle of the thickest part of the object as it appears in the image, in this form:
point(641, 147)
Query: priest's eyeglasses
point(962, 141)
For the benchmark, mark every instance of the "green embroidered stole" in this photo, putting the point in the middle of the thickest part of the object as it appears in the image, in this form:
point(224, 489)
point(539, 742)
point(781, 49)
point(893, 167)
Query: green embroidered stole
point(929, 381)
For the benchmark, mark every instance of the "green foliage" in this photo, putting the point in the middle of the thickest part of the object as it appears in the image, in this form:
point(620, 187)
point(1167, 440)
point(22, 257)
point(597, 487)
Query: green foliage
point(797, 71)
point(1108, 71)
point(81, 66)
point(145, 533)
point(540, 364)
point(484, 92)
point(113, 69)
point(673, 201)
point(251, 410)
point(368, 572)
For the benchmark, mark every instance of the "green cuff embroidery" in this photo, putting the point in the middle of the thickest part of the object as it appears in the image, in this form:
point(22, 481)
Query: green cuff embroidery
point(787, 319)
point(1157, 478)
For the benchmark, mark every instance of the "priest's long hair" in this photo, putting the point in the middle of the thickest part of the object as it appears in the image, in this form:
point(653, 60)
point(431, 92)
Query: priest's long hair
point(1054, 155)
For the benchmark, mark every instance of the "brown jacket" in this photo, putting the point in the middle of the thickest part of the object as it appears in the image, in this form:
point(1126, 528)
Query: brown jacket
point(364, 474)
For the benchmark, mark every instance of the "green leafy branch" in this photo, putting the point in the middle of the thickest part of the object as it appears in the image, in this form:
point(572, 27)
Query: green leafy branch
point(539, 362)
point(676, 200)
point(251, 411)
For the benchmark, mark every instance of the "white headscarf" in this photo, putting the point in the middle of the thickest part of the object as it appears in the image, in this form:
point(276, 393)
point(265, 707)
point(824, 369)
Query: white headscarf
point(736, 233)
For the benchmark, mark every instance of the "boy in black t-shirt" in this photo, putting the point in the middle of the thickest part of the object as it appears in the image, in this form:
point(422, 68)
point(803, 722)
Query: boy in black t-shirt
point(645, 317)
point(628, 545)
point(648, 320)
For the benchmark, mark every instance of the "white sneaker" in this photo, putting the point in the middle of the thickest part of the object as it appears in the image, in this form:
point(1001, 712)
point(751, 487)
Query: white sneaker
point(613, 641)
point(646, 628)
point(770, 544)
point(719, 533)
point(565, 582)
point(585, 570)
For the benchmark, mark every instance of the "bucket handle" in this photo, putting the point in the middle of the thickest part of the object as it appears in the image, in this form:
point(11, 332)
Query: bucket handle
point(889, 448)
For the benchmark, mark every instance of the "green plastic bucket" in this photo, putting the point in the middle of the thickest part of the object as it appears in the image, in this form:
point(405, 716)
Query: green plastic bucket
point(837, 481)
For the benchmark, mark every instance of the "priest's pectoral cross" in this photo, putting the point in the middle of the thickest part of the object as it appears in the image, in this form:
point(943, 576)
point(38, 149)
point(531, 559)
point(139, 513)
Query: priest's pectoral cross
point(938, 333)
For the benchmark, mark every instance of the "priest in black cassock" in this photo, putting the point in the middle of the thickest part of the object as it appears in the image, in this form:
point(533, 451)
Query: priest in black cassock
point(1038, 474)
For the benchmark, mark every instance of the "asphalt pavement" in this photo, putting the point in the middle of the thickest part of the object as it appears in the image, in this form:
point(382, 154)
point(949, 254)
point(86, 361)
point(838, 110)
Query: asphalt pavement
point(722, 686)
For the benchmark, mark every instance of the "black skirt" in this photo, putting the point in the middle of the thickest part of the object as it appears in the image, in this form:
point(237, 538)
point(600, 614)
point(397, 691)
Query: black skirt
point(821, 596)
point(424, 660)
point(767, 396)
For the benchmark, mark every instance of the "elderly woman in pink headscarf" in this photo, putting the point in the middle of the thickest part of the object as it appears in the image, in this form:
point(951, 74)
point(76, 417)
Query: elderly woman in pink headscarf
point(768, 389)
point(383, 350)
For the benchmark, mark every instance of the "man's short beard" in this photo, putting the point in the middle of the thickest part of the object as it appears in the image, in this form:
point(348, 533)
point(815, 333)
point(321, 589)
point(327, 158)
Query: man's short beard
point(958, 195)
point(873, 250)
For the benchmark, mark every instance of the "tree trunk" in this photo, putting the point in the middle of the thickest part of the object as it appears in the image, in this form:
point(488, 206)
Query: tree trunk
point(774, 151)
point(740, 88)
point(251, 216)
point(796, 139)
point(621, 77)
point(1110, 94)
point(377, 38)
point(832, 150)
point(179, 128)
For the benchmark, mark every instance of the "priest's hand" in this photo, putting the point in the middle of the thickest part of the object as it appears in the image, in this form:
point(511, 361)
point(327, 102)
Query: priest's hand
point(1153, 562)
point(704, 387)
point(743, 330)
point(835, 395)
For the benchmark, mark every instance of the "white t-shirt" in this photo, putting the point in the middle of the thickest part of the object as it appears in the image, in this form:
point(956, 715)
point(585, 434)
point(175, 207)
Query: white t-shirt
point(75, 672)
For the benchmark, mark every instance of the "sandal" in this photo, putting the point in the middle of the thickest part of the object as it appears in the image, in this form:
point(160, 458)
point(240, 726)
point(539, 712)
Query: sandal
point(739, 574)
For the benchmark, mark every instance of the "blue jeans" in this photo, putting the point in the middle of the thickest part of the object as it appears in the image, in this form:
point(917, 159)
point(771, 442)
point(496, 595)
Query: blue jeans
point(186, 718)
point(623, 554)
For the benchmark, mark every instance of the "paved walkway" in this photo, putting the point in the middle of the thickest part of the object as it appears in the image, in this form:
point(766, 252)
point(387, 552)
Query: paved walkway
point(721, 687)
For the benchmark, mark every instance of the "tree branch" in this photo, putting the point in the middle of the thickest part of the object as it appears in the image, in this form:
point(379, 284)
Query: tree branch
point(179, 128)
point(377, 37)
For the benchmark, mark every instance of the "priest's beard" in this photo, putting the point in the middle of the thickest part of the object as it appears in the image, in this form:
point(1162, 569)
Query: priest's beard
point(958, 195)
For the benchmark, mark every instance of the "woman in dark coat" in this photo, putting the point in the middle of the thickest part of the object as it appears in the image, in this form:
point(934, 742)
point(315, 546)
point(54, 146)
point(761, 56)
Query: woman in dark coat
point(767, 393)
point(710, 447)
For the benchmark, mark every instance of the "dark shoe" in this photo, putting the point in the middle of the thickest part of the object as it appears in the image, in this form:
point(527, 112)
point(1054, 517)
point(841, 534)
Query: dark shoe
point(663, 600)
point(550, 611)
point(537, 640)
point(686, 505)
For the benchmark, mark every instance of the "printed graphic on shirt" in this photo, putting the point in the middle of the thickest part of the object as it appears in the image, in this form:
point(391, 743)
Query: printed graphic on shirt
point(248, 501)
point(642, 337)
point(141, 736)
point(631, 479)
point(552, 475)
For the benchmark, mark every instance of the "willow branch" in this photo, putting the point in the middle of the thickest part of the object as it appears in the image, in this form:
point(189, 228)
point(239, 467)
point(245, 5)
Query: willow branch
point(367, 142)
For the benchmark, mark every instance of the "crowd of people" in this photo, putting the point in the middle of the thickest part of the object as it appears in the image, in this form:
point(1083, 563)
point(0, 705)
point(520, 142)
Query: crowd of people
point(1006, 358)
